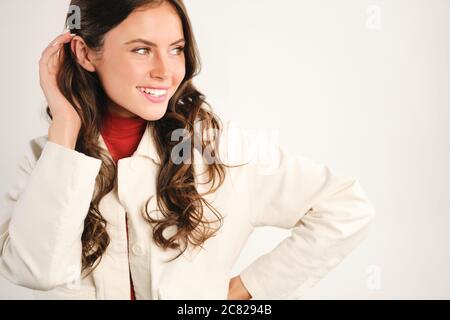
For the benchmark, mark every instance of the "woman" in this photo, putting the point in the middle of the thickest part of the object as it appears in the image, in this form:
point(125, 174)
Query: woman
point(103, 208)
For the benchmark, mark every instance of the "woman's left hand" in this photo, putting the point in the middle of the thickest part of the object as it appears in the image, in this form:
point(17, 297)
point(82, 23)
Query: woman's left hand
point(237, 290)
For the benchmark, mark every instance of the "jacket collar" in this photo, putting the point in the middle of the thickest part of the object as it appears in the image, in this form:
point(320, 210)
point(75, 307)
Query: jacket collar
point(146, 147)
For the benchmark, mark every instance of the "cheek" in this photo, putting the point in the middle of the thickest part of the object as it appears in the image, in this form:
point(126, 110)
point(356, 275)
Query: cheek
point(125, 72)
point(120, 77)
point(179, 72)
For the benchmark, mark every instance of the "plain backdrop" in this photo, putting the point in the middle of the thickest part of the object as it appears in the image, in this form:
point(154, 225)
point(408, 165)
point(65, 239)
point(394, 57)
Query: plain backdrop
point(363, 86)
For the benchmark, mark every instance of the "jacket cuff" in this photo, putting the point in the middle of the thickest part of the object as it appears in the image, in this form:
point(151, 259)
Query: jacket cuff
point(79, 168)
point(251, 283)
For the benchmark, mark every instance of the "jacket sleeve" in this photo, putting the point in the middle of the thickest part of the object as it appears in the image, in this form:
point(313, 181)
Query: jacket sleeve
point(328, 215)
point(40, 241)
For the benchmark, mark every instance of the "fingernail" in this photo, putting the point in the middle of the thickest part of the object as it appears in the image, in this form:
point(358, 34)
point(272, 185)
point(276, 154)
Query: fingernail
point(54, 44)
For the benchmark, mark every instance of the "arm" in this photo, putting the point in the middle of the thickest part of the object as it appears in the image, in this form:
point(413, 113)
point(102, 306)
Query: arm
point(328, 214)
point(40, 241)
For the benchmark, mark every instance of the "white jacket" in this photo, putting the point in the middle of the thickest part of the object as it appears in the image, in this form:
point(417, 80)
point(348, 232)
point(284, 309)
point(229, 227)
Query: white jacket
point(40, 242)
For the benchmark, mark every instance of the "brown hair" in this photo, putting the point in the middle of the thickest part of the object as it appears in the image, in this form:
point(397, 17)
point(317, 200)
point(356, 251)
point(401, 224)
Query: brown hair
point(177, 197)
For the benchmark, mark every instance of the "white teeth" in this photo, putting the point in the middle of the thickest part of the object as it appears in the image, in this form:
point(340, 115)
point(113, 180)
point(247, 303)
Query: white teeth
point(156, 93)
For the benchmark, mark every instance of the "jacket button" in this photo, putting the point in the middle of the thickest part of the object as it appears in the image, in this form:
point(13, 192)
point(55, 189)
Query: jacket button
point(138, 250)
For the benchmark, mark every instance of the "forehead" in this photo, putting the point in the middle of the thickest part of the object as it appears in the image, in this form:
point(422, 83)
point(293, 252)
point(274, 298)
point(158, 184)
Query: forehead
point(161, 25)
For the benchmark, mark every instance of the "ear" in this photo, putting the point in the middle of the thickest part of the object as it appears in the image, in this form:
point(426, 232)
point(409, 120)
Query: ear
point(83, 54)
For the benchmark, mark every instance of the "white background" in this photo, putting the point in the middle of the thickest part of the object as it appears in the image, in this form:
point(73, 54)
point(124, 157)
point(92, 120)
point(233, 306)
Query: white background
point(363, 86)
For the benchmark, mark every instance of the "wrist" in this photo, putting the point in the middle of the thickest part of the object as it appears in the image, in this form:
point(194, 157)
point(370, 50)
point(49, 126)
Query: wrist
point(64, 133)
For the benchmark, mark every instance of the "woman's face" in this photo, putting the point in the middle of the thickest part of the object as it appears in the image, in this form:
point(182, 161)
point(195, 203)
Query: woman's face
point(143, 52)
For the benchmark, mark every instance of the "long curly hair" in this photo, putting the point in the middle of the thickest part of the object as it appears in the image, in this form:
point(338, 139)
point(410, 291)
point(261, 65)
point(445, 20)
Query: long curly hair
point(177, 198)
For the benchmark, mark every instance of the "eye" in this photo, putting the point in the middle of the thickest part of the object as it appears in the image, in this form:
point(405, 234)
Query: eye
point(137, 50)
point(143, 51)
point(181, 49)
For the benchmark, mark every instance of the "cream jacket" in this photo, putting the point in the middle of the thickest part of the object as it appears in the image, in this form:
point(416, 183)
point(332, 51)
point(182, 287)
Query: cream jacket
point(40, 246)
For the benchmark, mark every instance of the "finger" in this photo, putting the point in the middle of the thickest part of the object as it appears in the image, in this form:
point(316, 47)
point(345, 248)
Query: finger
point(65, 39)
point(60, 56)
point(53, 49)
point(56, 59)
point(53, 61)
point(49, 53)
point(61, 38)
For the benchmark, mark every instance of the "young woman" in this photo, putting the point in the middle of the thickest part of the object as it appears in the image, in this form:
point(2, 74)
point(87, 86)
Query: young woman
point(104, 209)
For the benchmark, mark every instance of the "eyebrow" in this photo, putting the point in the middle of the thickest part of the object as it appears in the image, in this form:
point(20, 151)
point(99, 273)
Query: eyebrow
point(151, 44)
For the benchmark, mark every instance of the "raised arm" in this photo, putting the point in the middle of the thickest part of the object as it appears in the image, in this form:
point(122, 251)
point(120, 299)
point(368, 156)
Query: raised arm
point(44, 212)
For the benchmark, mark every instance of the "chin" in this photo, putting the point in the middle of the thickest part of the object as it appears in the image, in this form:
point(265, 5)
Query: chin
point(153, 114)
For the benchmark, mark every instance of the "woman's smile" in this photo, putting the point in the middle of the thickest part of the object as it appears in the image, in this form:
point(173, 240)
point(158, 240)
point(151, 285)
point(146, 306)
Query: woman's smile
point(154, 96)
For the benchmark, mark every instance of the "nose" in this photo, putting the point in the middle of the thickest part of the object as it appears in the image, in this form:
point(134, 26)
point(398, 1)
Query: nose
point(160, 68)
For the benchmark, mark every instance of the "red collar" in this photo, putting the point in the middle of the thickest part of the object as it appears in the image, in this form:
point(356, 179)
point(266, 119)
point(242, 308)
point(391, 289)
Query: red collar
point(122, 135)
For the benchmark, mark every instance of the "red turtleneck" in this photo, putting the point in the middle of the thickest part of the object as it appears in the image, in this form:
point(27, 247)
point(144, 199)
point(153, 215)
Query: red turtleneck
point(122, 136)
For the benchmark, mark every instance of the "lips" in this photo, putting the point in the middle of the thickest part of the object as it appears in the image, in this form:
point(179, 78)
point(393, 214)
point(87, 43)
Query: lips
point(154, 88)
point(154, 99)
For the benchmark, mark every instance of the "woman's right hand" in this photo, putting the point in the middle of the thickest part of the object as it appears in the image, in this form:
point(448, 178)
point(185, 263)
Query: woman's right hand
point(66, 121)
point(49, 66)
